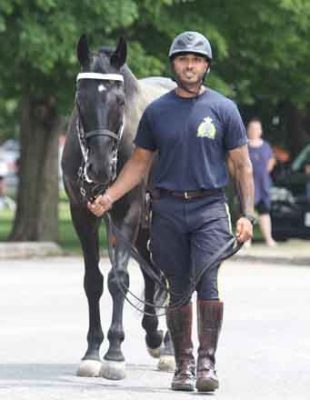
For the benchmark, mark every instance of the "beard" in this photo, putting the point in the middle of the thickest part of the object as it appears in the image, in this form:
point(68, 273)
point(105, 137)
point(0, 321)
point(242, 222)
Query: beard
point(190, 80)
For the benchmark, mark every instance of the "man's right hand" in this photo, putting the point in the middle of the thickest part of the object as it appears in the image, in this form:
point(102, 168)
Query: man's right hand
point(100, 205)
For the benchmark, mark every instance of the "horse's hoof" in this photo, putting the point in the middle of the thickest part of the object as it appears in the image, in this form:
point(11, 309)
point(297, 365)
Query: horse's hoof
point(155, 353)
point(114, 370)
point(166, 363)
point(89, 368)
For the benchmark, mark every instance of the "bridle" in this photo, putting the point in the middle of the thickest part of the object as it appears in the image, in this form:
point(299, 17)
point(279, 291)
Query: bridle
point(88, 189)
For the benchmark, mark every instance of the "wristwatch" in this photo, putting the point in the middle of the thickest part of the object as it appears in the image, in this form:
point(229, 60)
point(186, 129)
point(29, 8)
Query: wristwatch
point(251, 218)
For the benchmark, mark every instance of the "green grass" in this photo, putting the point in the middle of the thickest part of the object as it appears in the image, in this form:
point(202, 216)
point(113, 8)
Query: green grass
point(6, 218)
point(68, 239)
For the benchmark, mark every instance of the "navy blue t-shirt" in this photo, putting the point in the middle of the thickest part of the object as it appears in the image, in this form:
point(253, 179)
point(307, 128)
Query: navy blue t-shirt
point(192, 136)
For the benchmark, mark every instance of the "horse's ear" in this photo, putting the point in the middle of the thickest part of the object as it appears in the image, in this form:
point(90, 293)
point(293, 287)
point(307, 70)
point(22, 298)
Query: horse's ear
point(119, 56)
point(83, 51)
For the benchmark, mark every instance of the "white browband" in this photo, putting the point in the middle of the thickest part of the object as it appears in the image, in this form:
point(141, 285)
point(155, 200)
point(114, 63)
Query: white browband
point(97, 75)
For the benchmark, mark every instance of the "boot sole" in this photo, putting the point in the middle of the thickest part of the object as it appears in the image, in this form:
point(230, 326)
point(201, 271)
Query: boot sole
point(207, 386)
point(183, 388)
point(188, 386)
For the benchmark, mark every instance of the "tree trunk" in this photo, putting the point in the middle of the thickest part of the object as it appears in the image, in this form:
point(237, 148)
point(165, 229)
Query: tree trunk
point(36, 216)
point(297, 132)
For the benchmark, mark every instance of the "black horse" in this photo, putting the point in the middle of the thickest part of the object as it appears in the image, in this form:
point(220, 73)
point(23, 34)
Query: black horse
point(109, 104)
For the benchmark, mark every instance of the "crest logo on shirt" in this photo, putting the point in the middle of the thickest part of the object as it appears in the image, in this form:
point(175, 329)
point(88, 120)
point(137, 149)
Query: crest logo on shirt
point(206, 128)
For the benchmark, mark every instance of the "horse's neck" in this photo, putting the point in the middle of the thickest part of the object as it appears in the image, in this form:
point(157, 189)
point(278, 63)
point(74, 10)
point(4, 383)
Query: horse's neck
point(135, 105)
point(139, 93)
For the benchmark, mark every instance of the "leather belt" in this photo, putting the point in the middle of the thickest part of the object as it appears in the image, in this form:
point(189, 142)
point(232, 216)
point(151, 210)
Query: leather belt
point(188, 195)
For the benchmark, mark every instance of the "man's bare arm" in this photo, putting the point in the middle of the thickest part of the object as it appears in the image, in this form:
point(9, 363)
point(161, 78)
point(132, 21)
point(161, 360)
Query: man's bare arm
point(132, 173)
point(130, 176)
point(241, 167)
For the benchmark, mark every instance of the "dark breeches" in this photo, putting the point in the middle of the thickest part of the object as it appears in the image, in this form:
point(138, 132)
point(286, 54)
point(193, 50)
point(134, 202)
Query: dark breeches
point(184, 236)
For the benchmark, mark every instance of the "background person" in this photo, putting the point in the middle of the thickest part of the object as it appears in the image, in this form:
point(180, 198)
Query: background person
point(5, 201)
point(194, 129)
point(263, 162)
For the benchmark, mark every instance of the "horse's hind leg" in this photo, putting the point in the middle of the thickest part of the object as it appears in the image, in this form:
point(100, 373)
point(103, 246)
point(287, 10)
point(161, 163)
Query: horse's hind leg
point(157, 346)
point(154, 336)
point(167, 359)
point(86, 226)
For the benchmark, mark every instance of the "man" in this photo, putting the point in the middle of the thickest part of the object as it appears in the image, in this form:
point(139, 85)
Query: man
point(5, 201)
point(194, 130)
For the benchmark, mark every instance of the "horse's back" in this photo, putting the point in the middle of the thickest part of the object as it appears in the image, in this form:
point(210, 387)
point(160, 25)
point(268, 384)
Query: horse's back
point(155, 86)
point(158, 82)
point(147, 90)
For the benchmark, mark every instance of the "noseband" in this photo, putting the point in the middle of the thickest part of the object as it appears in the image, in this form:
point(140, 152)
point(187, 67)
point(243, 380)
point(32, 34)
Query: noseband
point(87, 187)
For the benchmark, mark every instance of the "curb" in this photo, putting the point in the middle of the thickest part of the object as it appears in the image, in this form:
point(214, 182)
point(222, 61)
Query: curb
point(294, 254)
point(9, 250)
point(294, 260)
point(293, 251)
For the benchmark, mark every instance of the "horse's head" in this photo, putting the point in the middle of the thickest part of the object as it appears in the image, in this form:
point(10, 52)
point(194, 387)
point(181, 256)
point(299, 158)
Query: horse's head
point(100, 101)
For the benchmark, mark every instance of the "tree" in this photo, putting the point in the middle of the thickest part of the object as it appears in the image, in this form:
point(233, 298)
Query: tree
point(261, 52)
point(37, 57)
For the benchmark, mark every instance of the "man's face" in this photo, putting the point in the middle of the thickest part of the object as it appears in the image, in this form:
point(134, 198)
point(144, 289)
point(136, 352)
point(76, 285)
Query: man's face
point(254, 130)
point(190, 68)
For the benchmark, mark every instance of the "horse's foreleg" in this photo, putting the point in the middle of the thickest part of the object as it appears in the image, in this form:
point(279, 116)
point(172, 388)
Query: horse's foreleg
point(87, 229)
point(113, 366)
point(93, 286)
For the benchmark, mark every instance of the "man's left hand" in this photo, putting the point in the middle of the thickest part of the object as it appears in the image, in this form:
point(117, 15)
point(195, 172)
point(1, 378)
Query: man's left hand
point(244, 230)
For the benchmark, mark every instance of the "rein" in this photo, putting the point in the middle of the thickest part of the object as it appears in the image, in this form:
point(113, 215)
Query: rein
point(229, 249)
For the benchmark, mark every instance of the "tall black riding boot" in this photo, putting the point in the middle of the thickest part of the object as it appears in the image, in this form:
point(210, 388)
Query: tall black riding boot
point(210, 317)
point(180, 325)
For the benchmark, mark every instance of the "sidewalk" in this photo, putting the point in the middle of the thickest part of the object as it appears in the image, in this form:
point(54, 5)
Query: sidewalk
point(293, 251)
point(29, 249)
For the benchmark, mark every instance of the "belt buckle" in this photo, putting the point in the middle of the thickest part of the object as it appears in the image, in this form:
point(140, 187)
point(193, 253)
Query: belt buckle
point(187, 196)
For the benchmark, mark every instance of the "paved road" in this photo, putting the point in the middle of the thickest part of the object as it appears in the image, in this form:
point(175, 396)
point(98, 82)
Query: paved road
point(264, 349)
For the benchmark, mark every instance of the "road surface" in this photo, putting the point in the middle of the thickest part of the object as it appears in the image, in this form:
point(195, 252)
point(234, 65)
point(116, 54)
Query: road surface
point(264, 350)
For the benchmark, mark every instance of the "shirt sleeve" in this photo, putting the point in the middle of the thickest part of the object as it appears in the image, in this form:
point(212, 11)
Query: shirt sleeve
point(235, 133)
point(145, 135)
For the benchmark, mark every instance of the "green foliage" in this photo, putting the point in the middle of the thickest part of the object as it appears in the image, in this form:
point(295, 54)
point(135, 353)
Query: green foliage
point(142, 63)
point(261, 49)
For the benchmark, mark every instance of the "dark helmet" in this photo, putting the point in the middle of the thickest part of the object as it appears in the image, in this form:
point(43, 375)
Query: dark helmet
point(191, 42)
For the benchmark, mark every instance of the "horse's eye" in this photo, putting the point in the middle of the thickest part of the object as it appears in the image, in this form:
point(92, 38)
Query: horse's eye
point(121, 101)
